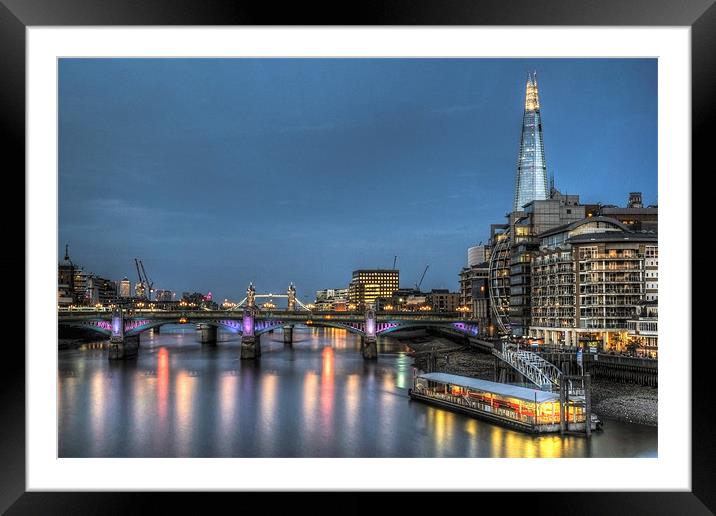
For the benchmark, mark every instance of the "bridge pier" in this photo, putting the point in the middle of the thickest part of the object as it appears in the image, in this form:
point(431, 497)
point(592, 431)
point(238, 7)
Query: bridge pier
point(124, 347)
point(288, 334)
point(250, 342)
point(121, 346)
point(250, 346)
point(369, 347)
point(368, 342)
point(207, 333)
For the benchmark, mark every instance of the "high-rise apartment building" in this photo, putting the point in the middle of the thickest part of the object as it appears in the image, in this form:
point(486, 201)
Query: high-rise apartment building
point(589, 280)
point(367, 285)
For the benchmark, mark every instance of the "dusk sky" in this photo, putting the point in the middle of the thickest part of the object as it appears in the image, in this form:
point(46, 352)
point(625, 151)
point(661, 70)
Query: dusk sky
point(217, 172)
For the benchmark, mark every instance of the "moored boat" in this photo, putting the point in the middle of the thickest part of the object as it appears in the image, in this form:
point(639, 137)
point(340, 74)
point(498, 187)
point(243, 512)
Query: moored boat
point(523, 408)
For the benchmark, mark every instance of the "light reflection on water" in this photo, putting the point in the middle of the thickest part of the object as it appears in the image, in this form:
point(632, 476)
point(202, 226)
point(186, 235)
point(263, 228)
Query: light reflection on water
point(317, 398)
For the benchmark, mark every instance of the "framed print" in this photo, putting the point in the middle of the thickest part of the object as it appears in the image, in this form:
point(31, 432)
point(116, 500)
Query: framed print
point(290, 251)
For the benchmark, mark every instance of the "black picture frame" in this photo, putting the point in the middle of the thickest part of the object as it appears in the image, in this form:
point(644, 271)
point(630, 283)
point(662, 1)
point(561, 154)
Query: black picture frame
point(16, 15)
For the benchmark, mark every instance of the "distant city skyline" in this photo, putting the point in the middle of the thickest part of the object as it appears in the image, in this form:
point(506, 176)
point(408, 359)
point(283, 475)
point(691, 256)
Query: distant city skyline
point(218, 172)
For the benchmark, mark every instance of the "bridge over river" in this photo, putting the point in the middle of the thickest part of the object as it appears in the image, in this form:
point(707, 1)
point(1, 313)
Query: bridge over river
point(123, 327)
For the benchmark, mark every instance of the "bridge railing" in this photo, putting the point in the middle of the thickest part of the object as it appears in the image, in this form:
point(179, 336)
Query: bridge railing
point(539, 371)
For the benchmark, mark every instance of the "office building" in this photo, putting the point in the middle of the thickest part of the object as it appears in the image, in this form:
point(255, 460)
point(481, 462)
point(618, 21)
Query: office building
point(101, 291)
point(367, 285)
point(163, 296)
point(442, 300)
point(125, 288)
point(331, 299)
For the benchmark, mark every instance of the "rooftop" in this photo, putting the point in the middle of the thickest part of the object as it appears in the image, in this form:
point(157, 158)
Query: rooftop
point(613, 236)
point(586, 220)
point(503, 389)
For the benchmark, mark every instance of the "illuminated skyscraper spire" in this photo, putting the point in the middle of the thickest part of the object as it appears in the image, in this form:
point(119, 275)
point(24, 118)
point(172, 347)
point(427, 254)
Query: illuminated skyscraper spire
point(531, 183)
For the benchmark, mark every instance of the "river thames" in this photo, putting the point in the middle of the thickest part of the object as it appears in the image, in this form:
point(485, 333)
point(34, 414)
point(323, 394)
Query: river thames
point(316, 398)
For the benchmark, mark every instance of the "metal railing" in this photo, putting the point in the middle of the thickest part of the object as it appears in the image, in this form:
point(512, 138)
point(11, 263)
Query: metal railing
point(533, 367)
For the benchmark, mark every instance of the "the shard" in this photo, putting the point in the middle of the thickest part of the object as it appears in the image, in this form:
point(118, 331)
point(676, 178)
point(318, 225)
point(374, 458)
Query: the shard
point(531, 183)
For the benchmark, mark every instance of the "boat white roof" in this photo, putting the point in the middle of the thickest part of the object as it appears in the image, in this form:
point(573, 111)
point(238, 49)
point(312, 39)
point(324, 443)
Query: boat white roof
point(503, 389)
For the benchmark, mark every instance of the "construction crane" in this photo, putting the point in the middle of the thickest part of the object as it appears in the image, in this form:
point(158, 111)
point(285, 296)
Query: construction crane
point(144, 286)
point(417, 285)
point(141, 291)
point(148, 283)
point(395, 259)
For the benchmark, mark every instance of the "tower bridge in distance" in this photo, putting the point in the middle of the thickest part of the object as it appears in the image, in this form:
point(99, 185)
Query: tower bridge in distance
point(123, 327)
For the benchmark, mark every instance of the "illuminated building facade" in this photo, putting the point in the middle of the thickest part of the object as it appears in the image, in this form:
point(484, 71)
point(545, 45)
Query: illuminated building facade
point(164, 296)
point(367, 285)
point(331, 299)
point(588, 280)
point(125, 288)
point(531, 182)
point(643, 331)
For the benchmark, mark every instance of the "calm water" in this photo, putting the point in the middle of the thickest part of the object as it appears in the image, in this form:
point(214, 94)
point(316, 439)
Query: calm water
point(316, 399)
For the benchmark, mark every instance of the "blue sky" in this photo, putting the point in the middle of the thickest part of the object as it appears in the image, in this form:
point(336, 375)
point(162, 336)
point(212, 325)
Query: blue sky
point(217, 172)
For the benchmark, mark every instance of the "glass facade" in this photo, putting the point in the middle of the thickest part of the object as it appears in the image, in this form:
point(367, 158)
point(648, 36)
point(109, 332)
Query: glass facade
point(531, 181)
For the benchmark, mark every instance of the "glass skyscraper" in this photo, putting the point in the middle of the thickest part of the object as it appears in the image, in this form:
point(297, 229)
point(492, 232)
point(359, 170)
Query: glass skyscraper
point(531, 183)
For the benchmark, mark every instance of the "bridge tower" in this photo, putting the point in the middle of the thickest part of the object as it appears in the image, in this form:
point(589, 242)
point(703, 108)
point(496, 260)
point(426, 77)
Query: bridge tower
point(251, 295)
point(291, 298)
point(288, 329)
point(250, 342)
point(369, 342)
point(120, 345)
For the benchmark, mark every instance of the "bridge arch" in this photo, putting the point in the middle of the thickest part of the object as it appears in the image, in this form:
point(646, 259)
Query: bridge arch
point(101, 327)
point(144, 325)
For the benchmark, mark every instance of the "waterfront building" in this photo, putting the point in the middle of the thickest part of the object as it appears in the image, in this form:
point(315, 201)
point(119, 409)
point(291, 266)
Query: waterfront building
point(643, 331)
point(125, 288)
point(367, 285)
point(513, 244)
point(531, 181)
point(588, 281)
point(474, 294)
point(442, 300)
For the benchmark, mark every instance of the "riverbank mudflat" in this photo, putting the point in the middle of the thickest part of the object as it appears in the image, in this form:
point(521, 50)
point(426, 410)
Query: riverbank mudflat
point(621, 401)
